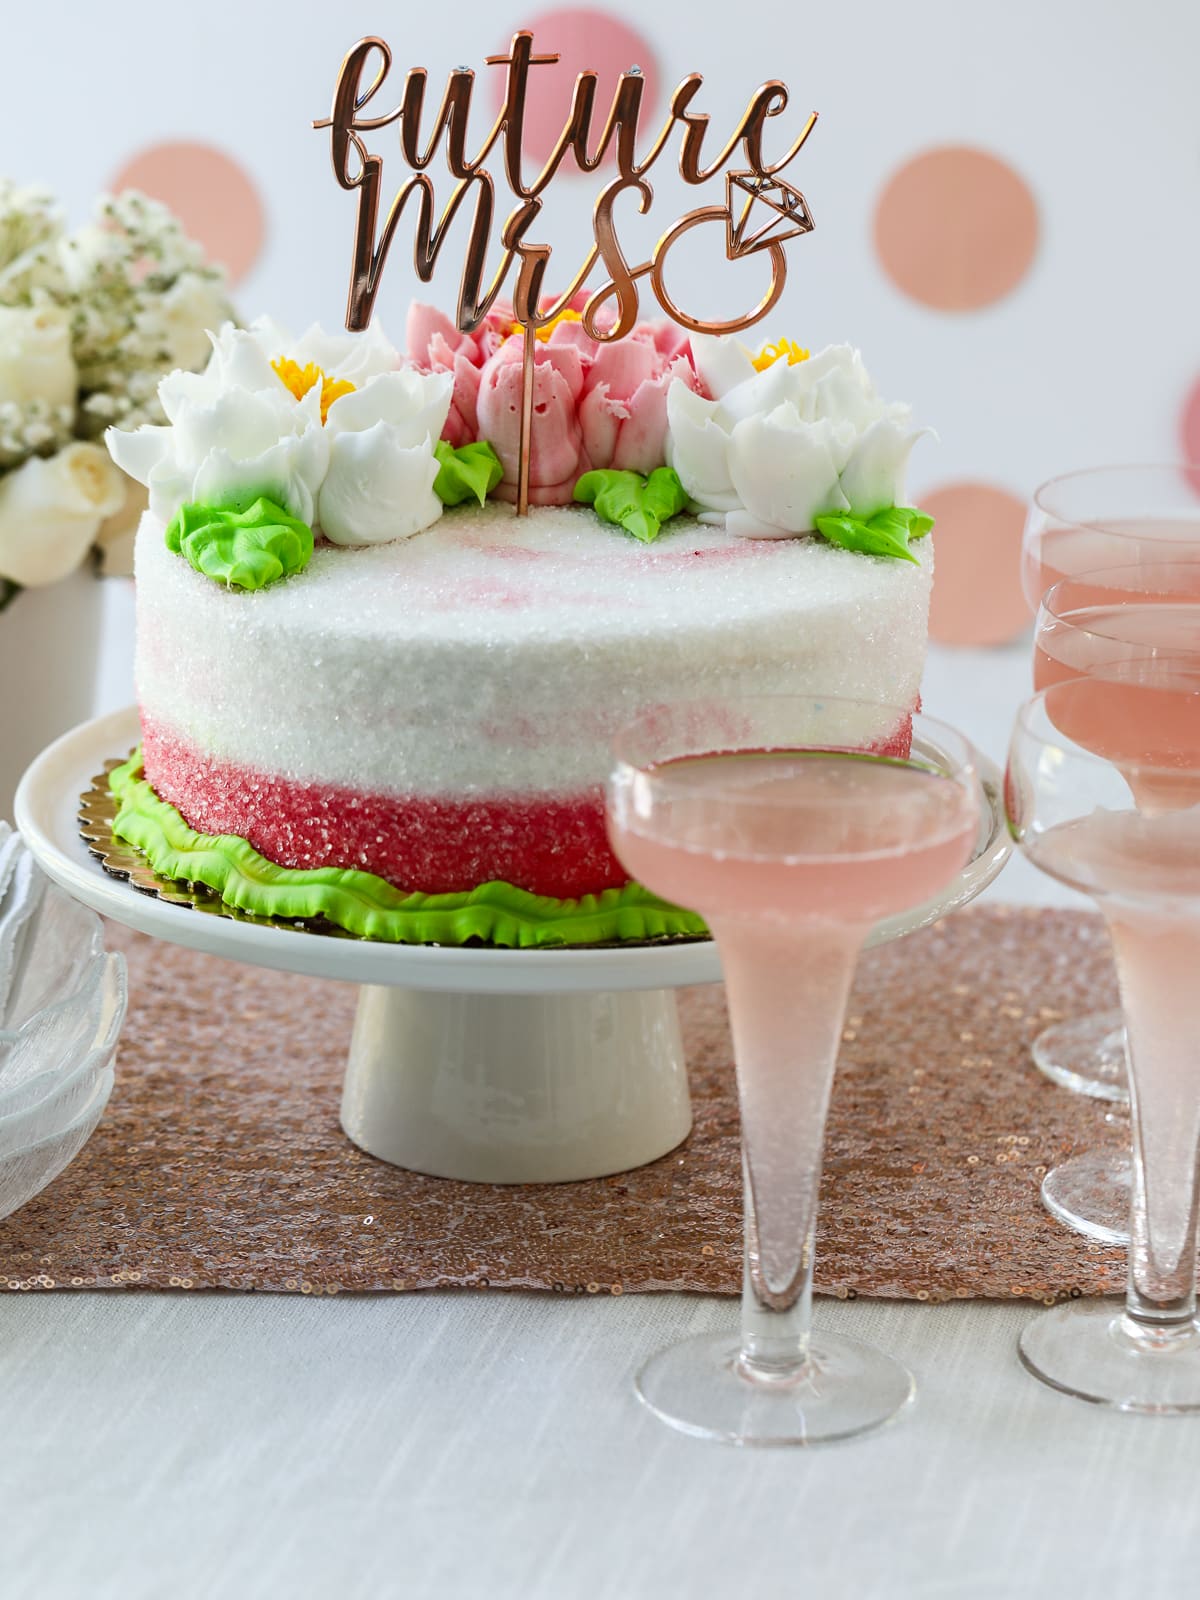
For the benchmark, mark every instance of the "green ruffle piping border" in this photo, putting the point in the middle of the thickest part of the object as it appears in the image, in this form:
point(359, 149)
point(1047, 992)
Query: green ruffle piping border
point(369, 906)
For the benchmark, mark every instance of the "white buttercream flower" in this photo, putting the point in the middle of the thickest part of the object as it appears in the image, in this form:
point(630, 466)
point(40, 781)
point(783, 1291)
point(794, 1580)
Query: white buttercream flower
point(381, 464)
point(328, 425)
point(35, 356)
point(51, 509)
point(774, 449)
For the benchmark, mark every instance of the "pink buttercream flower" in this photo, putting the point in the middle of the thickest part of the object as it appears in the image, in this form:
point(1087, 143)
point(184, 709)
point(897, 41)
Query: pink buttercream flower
point(595, 405)
point(435, 344)
point(557, 457)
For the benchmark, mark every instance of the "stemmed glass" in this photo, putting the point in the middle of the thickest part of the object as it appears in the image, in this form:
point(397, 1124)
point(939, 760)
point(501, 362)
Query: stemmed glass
point(782, 823)
point(1084, 522)
point(1078, 761)
point(1123, 627)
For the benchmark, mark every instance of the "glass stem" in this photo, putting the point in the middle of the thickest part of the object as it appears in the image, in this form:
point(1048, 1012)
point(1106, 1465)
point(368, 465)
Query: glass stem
point(787, 987)
point(1157, 958)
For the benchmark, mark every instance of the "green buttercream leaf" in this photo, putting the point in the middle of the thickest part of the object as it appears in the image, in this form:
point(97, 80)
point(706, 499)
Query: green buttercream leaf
point(243, 549)
point(8, 592)
point(368, 906)
point(470, 472)
point(637, 504)
point(887, 533)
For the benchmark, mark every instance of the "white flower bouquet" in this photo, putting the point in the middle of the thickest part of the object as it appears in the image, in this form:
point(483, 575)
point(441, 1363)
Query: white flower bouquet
point(89, 323)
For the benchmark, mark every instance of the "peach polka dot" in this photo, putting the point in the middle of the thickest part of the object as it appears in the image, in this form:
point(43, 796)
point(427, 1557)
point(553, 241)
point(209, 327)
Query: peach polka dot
point(956, 228)
point(214, 198)
point(583, 40)
point(1189, 434)
point(977, 596)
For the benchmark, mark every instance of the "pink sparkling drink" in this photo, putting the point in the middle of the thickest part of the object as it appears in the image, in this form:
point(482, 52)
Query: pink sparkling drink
point(791, 855)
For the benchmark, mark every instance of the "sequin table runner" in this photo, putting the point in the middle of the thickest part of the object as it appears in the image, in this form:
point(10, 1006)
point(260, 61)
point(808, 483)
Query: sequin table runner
point(220, 1162)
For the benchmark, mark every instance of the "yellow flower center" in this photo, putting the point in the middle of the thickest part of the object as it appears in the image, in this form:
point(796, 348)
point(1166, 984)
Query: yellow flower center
point(301, 379)
point(782, 350)
point(542, 334)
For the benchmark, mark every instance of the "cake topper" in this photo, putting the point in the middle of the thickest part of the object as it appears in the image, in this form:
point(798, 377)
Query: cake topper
point(762, 212)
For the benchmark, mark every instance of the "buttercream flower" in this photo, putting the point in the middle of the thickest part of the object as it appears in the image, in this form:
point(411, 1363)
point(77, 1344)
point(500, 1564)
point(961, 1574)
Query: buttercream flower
point(51, 510)
point(780, 445)
point(36, 363)
point(435, 344)
point(557, 457)
point(252, 422)
point(379, 484)
point(595, 405)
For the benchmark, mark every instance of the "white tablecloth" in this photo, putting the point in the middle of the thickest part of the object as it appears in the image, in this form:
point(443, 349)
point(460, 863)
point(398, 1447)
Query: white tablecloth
point(490, 1445)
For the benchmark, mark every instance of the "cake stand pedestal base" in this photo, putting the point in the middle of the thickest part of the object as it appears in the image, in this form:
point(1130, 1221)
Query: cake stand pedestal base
point(502, 1088)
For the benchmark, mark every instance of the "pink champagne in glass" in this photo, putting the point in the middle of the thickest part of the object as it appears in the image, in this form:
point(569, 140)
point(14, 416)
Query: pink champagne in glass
point(1137, 656)
point(791, 853)
point(1086, 523)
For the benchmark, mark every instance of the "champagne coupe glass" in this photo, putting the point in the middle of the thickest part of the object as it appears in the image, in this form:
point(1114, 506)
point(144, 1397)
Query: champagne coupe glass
point(792, 825)
point(1075, 772)
point(1123, 626)
point(1083, 522)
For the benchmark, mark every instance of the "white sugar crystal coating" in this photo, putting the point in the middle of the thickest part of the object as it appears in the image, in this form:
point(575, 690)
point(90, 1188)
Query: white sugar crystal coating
point(497, 654)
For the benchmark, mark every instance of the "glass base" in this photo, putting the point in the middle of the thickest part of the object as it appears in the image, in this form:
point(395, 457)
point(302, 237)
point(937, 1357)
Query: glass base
point(1087, 1055)
point(1091, 1194)
point(1085, 1350)
point(848, 1388)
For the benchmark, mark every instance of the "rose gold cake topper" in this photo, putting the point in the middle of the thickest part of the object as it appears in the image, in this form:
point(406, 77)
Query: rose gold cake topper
point(761, 211)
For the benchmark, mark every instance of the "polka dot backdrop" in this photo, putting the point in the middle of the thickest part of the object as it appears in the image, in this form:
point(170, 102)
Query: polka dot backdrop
point(956, 228)
point(582, 39)
point(1189, 433)
point(213, 195)
point(977, 596)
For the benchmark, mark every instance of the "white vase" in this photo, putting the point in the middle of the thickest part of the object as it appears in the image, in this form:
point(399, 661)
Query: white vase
point(49, 653)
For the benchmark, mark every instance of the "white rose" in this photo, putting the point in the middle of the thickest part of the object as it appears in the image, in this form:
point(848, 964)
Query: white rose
point(191, 309)
point(775, 449)
point(51, 510)
point(381, 465)
point(35, 356)
point(357, 357)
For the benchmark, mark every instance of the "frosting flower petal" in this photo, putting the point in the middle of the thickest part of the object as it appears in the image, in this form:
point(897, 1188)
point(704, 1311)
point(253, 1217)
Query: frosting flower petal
point(414, 403)
point(784, 443)
point(697, 447)
point(377, 488)
point(785, 471)
point(873, 478)
point(557, 458)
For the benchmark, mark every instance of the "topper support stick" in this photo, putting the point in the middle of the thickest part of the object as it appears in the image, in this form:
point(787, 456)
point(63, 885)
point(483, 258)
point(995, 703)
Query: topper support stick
point(526, 420)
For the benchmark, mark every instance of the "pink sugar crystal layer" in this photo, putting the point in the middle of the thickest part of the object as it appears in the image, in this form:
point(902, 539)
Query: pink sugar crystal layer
point(548, 844)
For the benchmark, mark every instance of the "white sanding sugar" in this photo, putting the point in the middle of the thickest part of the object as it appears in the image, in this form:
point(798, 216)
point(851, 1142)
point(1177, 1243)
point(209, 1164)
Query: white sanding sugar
point(497, 653)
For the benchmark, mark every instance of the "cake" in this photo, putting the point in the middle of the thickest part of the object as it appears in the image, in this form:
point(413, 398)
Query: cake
point(370, 692)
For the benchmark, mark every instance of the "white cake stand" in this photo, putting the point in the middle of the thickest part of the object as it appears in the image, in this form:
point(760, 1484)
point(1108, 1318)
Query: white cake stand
point(497, 1066)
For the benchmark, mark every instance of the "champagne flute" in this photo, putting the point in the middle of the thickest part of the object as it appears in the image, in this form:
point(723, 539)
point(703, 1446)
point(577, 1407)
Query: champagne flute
point(1071, 794)
point(1128, 628)
point(1082, 522)
point(784, 825)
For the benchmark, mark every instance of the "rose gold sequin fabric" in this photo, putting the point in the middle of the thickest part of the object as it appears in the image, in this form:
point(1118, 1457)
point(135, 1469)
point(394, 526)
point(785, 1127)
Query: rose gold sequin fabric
point(220, 1162)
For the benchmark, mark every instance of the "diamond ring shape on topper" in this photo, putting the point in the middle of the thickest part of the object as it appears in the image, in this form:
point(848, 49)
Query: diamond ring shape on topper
point(761, 212)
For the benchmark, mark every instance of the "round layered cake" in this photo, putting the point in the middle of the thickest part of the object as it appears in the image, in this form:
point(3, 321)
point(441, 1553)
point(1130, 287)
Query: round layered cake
point(440, 710)
point(371, 692)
